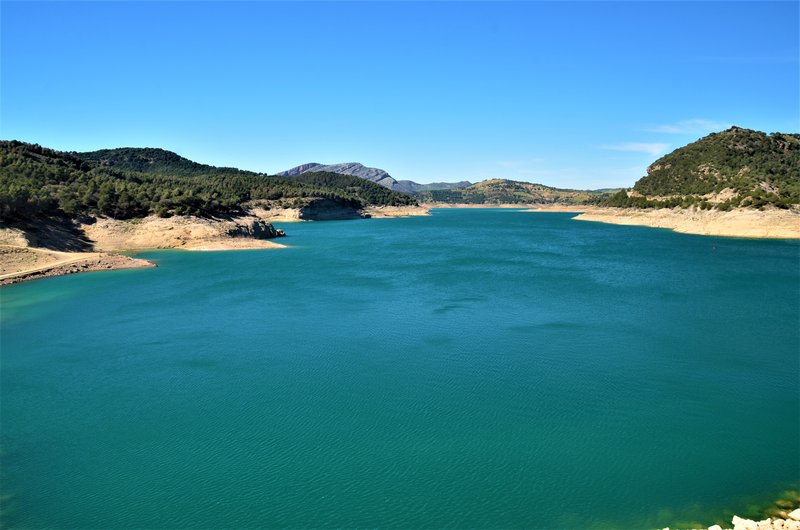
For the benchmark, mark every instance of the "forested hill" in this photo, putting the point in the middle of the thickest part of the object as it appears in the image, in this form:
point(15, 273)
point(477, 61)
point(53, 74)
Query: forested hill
point(749, 168)
point(502, 191)
point(152, 160)
point(128, 183)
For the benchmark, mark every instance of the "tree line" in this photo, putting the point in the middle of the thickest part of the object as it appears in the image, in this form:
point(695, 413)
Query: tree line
point(40, 182)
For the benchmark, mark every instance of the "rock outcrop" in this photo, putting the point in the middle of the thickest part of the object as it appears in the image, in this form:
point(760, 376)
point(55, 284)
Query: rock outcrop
point(256, 229)
point(790, 522)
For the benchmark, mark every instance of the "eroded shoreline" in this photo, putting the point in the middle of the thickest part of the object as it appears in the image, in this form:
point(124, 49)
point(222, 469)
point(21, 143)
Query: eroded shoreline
point(57, 250)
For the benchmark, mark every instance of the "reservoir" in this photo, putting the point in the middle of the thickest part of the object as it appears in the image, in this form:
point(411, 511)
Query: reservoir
point(475, 368)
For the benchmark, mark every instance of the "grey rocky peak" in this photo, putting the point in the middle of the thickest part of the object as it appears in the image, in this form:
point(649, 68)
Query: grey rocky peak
point(299, 169)
point(347, 168)
point(373, 174)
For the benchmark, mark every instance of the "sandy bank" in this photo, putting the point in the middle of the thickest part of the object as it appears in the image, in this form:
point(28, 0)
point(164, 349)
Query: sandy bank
point(741, 222)
point(430, 205)
point(187, 233)
point(232, 244)
point(19, 264)
point(383, 212)
point(570, 208)
point(56, 247)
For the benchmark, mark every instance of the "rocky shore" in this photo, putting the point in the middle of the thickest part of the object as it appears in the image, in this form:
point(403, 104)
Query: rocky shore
point(60, 247)
point(790, 522)
point(323, 210)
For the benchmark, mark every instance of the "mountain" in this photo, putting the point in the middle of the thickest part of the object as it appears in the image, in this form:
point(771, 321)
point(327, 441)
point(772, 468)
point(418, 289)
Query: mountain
point(299, 169)
point(373, 174)
point(502, 191)
point(355, 169)
point(735, 167)
point(36, 182)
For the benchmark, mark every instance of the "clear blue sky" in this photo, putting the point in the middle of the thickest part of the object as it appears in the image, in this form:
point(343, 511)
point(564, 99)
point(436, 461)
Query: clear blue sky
point(573, 94)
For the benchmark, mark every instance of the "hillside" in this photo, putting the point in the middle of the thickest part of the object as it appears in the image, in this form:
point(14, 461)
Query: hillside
point(501, 191)
point(151, 160)
point(735, 167)
point(37, 182)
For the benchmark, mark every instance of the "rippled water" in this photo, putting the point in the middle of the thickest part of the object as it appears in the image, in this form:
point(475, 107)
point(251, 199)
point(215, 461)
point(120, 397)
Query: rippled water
point(475, 368)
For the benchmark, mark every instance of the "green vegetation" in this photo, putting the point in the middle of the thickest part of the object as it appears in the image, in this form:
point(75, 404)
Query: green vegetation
point(128, 183)
point(500, 191)
point(753, 168)
point(153, 160)
point(759, 509)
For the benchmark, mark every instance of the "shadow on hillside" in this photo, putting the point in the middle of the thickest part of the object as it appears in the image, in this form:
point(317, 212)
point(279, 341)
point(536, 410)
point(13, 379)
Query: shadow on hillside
point(56, 234)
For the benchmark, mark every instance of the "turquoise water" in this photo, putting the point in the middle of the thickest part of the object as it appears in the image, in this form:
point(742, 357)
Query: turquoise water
point(476, 368)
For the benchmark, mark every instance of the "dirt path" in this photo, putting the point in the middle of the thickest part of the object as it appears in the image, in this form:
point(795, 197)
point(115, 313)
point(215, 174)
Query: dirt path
point(19, 264)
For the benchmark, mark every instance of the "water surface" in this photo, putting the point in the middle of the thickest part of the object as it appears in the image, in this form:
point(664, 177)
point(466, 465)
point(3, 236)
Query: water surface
point(477, 368)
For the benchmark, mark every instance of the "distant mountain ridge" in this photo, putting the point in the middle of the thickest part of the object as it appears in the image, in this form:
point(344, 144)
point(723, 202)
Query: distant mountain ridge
point(503, 191)
point(377, 175)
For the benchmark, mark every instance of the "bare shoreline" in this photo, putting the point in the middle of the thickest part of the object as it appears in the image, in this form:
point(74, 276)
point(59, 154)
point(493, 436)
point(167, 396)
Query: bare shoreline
point(21, 261)
point(96, 246)
point(740, 222)
point(767, 224)
point(32, 263)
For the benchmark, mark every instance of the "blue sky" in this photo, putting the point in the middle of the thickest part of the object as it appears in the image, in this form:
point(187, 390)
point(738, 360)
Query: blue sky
point(571, 94)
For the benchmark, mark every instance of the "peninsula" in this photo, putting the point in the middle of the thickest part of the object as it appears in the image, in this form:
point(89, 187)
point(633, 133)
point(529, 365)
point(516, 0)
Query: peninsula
point(71, 212)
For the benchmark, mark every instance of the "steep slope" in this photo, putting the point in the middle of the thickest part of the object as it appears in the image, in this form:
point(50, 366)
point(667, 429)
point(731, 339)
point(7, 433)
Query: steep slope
point(299, 169)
